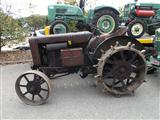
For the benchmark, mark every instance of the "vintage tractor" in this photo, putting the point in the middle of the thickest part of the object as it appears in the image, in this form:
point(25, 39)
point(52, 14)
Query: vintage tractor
point(153, 60)
point(141, 18)
point(116, 61)
point(104, 18)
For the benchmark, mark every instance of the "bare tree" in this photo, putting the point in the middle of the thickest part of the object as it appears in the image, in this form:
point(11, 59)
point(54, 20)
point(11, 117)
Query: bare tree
point(9, 27)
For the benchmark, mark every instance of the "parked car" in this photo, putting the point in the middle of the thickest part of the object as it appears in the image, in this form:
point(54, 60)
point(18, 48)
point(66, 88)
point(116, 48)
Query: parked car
point(25, 45)
point(22, 46)
point(39, 32)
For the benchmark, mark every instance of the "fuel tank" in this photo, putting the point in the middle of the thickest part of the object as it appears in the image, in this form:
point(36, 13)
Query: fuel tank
point(145, 13)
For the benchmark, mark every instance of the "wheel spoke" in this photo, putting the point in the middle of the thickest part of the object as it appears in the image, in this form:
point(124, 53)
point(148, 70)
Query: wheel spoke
point(111, 62)
point(35, 76)
point(134, 62)
point(40, 96)
point(22, 85)
point(113, 83)
point(26, 78)
point(130, 79)
point(44, 89)
point(133, 57)
point(123, 84)
point(137, 68)
point(33, 97)
point(41, 81)
point(122, 56)
point(117, 82)
point(25, 93)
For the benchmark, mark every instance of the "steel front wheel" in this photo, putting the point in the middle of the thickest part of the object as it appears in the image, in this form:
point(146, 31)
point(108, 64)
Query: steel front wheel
point(33, 87)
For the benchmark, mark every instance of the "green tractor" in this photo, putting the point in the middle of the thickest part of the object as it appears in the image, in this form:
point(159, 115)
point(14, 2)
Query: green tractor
point(153, 59)
point(141, 18)
point(101, 19)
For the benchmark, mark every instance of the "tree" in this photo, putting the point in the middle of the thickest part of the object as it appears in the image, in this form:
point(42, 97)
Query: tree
point(71, 2)
point(9, 29)
point(35, 21)
point(121, 11)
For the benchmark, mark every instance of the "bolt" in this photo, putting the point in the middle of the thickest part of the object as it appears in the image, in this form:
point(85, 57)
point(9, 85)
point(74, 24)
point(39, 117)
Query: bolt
point(96, 76)
point(129, 44)
point(133, 45)
point(143, 51)
point(95, 66)
point(98, 59)
point(102, 51)
point(112, 48)
point(117, 43)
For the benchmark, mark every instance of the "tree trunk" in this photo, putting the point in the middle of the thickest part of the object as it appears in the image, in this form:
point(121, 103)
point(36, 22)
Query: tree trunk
point(0, 43)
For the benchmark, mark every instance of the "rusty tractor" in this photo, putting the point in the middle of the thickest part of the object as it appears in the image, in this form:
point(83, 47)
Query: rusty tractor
point(116, 61)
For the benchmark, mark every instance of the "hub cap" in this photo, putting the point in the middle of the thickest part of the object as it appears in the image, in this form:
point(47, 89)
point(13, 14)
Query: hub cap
point(59, 28)
point(137, 29)
point(123, 71)
point(34, 87)
point(106, 24)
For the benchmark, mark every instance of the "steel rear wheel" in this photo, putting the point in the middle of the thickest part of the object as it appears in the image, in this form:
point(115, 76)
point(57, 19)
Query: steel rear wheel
point(33, 87)
point(121, 69)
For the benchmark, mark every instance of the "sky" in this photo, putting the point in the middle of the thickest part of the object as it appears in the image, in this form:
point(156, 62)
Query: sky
point(20, 8)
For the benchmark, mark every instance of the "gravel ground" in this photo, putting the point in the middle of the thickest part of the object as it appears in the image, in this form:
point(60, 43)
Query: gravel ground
point(74, 98)
point(8, 57)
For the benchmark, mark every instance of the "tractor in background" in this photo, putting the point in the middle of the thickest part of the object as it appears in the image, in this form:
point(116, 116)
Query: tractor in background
point(141, 18)
point(153, 59)
point(101, 19)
